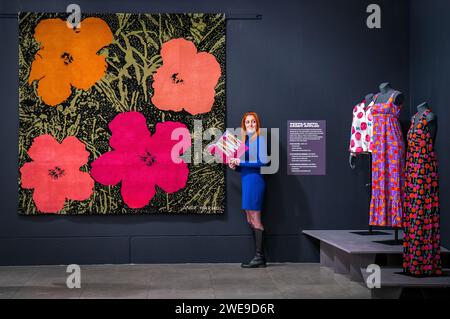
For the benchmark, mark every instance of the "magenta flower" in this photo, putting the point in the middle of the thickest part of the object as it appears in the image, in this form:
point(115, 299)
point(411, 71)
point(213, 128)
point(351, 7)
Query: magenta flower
point(140, 160)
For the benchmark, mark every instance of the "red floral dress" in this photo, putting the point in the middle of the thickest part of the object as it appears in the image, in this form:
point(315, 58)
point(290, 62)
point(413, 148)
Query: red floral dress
point(421, 238)
point(387, 165)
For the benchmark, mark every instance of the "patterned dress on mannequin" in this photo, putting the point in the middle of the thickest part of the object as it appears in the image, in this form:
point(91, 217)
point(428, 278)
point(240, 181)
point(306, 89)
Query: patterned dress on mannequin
point(388, 161)
point(421, 227)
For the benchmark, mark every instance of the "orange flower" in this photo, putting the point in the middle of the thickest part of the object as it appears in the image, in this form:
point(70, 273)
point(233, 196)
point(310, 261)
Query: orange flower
point(68, 57)
point(186, 80)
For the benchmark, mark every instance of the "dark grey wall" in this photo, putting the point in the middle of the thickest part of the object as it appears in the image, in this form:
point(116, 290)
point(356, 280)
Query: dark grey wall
point(430, 81)
point(306, 59)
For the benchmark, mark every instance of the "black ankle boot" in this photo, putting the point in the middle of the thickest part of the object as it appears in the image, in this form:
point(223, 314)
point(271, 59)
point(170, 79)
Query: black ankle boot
point(259, 260)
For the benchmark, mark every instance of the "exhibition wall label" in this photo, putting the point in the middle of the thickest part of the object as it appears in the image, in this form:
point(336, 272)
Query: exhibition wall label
point(99, 104)
point(306, 147)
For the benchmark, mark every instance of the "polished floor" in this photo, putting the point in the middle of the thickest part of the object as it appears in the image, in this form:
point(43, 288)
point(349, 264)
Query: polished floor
point(284, 280)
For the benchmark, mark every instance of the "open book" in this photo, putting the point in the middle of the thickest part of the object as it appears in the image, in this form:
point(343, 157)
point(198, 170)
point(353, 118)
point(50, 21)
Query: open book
point(227, 147)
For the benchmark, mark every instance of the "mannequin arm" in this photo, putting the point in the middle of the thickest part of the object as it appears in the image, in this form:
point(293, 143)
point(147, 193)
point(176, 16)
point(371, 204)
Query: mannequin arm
point(351, 160)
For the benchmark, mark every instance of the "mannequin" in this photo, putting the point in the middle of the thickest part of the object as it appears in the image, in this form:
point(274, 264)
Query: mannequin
point(367, 100)
point(385, 93)
point(365, 162)
point(421, 220)
point(431, 119)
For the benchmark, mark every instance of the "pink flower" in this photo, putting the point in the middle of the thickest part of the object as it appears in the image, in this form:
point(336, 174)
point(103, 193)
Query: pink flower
point(55, 174)
point(187, 79)
point(141, 160)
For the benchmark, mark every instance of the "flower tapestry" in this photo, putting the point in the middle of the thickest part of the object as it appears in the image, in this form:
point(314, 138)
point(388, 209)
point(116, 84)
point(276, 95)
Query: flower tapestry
point(109, 113)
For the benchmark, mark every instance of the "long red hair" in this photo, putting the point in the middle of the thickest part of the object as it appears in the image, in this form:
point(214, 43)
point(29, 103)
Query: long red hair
point(258, 125)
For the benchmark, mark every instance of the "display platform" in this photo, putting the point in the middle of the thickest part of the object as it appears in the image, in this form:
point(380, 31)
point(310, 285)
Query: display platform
point(370, 233)
point(393, 281)
point(347, 252)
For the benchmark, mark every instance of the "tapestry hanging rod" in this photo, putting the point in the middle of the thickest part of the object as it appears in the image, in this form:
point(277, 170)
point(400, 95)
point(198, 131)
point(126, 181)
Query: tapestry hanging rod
point(227, 17)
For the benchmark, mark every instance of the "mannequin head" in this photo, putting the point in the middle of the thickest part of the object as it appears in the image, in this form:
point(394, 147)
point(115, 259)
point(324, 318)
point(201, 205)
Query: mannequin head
point(385, 87)
point(422, 106)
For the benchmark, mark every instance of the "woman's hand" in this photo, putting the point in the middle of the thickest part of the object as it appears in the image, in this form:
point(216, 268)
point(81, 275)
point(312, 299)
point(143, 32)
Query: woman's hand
point(231, 165)
point(236, 161)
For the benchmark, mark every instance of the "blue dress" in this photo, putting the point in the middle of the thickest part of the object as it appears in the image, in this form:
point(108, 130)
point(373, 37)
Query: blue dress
point(253, 184)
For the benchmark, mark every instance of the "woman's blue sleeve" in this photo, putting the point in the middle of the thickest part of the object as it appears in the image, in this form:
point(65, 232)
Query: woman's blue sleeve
point(261, 156)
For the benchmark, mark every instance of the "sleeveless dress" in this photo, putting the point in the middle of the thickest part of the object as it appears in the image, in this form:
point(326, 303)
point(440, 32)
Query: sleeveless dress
point(362, 129)
point(253, 184)
point(421, 229)
point(387, 165)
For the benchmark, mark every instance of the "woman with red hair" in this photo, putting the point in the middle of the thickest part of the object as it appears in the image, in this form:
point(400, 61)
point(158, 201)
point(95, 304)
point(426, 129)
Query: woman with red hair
point(253, 184)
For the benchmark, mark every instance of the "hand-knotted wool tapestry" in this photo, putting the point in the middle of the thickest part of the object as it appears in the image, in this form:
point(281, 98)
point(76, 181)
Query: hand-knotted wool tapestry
point(107, 111)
